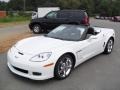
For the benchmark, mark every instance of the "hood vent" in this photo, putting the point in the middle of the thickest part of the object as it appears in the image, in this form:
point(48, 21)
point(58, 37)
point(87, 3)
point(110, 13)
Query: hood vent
point(20, 53)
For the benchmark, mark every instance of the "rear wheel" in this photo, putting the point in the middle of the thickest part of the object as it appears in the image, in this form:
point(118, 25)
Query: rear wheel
point(37, 29)
point(109, 46)
point(63, 67)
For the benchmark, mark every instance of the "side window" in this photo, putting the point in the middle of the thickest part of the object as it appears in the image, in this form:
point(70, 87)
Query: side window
point(51, 15)
point(63, 15)
point(34, 13)
point(77, 14)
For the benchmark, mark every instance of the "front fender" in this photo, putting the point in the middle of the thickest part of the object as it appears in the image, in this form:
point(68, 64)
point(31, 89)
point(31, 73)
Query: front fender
point(60, 52)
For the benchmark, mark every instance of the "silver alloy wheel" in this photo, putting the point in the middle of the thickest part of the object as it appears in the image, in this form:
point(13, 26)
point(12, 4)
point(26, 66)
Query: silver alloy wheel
point(36, 29)
point(110, 45)
point(65, 67)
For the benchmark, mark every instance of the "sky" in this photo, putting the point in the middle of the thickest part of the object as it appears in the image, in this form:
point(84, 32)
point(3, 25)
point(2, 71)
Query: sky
point(4, 0)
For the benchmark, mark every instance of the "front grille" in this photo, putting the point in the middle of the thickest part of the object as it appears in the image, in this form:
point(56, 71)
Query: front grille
point(21, 70)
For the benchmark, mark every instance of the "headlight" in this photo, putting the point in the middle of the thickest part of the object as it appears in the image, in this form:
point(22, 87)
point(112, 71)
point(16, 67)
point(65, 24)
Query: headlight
point(41, 57)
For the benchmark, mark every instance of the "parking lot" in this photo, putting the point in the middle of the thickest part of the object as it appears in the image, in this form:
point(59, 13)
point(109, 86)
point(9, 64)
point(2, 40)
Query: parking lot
point(11, 30)
point(99, 73)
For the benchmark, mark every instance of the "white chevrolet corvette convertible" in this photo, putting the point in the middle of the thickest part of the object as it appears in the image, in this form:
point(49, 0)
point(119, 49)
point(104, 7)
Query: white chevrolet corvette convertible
point(57, 53)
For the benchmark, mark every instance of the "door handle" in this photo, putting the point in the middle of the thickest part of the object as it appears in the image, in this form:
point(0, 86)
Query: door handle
point(94, 38)
point(79, 51)
point(90, 39)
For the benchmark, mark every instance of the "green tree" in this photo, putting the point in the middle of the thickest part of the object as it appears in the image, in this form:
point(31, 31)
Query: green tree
point(15, 5)
point(116, 7)
point(69, 4)
point(87, 5)
point(108, 7)
point(3, 5)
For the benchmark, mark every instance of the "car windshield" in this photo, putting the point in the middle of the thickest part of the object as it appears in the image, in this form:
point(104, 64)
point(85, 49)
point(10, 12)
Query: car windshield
point(67, 32)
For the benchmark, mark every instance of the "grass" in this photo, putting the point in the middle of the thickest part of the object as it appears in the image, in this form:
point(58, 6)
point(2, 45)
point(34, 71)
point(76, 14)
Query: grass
point(9, 19)
point(12, 21)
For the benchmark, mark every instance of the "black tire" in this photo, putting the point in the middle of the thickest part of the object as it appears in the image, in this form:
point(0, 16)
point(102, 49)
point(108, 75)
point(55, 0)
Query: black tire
point(36, 29)
point(62, 64)
point(109, 46)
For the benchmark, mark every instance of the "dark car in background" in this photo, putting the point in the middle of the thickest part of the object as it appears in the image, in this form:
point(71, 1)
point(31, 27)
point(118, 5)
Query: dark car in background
point(116, 19)
point(56, 18)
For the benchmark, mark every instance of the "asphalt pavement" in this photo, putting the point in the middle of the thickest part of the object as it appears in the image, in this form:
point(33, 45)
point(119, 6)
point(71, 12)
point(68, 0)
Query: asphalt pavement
point(99, 73)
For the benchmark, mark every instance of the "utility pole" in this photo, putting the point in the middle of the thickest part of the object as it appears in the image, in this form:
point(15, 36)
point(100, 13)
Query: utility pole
point(24, 5)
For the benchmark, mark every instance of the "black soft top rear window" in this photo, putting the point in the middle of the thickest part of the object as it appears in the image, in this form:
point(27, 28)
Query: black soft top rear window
point(71, 13)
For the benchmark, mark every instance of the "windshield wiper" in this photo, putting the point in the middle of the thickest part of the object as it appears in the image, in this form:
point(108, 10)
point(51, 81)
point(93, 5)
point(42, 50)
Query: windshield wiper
point(54, 37)
point(57, 38)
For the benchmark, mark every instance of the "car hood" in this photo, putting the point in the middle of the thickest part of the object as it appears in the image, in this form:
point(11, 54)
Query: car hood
point(37, 20)
point(40, 44)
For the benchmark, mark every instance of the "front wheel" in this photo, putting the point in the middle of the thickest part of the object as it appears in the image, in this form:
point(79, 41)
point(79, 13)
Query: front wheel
point(63, 67)
point(109, 46)
point(37, 29)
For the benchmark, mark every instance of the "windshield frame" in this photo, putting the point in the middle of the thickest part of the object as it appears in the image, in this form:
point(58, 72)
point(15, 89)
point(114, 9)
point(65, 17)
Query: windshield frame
point(79, 26)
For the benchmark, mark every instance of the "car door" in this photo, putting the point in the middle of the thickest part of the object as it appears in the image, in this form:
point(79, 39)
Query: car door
point(83, 51)
point(96, 43)
point(63, 17)
point(89, 47)
point(51, 20)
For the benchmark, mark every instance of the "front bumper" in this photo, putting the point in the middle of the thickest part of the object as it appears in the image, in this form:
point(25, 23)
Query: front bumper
point(28, 69)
